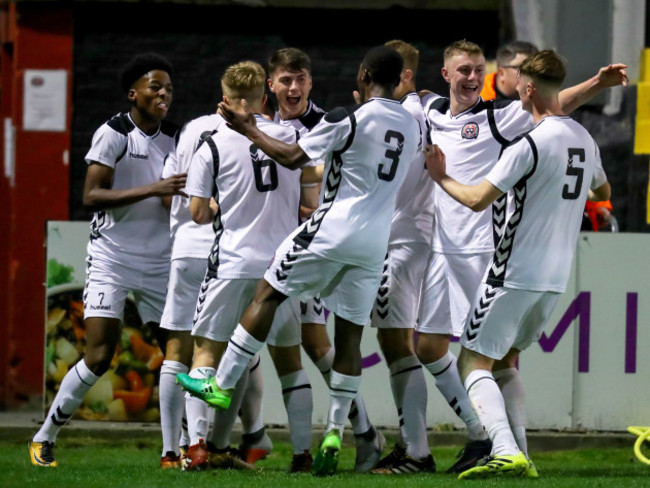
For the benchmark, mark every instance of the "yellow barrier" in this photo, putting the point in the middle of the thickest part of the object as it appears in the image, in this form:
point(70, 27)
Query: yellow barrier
point(643, 434)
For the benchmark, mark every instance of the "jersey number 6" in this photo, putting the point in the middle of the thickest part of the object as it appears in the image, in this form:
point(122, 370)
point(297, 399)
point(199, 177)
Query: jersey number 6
point(392, 155)
point(258, 164)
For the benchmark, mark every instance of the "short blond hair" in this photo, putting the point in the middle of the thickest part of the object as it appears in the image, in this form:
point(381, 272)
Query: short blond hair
point(409, 53)
point(545, 67)
point(244, 80)
point(462, 47)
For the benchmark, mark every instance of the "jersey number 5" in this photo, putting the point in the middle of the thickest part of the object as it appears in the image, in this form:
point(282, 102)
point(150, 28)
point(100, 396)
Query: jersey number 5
point(576, 171)
point(392, 155)
point(258, 164)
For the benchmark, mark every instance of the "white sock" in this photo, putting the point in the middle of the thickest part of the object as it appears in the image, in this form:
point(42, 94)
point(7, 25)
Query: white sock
point(488, 403)
point(172, 405)
point(343, 389)
point(74, 386)
point(224, 420)
point(512, 389)
point(296, 391)
point(445, 371)
point(242, 347)
point(250, 412)
point(410, 395)
point(197, 410)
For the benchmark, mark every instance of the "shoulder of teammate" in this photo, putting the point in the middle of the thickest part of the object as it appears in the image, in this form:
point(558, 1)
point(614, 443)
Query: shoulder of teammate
point(312, 117)
point(281, 132)
point(110, 141)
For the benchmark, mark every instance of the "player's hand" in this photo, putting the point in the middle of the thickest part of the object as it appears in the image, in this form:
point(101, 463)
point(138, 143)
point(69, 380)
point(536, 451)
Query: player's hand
point(170, 186)
point(613, 75)
point(357, 97)
point(436, 162)
point(241, 121)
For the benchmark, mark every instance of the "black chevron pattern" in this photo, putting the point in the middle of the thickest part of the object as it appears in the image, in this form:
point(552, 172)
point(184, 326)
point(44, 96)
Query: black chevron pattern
point(477, 315)
point(200, 302)
point(213, 258)
point(287, 263)
point(329, 192)
point(383, 293)
point(503, 250)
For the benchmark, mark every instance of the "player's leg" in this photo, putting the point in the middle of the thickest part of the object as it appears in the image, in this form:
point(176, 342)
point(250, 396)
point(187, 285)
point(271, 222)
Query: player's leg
point(506, 375)
point(284, 347)
point(438, 323)
point(185, 278)
point(496, 322)
point(103, 311)
point(395, 315)
point(102, 336)
point(255, 443)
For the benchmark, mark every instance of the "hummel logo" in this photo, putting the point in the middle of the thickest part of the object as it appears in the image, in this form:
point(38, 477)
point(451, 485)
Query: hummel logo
point(138, 156)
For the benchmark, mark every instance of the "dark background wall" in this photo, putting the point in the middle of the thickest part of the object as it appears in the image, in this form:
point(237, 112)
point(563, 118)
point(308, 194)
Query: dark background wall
point(209, 39)
point(201, 41)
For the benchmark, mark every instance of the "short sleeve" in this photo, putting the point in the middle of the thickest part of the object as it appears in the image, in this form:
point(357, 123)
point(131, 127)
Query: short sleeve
point(330, 134)
point(108, 146)
point(515, 162)
point(599, 178)
point(200, 177)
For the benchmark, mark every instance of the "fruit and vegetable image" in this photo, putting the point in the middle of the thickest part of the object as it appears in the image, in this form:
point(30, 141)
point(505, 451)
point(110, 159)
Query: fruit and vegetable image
point(129, 389)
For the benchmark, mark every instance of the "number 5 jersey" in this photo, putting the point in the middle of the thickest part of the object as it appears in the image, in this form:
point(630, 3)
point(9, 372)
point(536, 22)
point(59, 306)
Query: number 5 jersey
point(548, 172)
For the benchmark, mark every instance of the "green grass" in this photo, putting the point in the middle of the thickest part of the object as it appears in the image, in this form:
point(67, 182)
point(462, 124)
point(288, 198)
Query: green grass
point(130, 459)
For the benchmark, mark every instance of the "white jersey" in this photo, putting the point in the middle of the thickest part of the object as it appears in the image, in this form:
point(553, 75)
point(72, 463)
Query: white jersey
point(189, 240)
point(258, 199)
point(549, 172)
point(137, 234)
point(367, 151)
point(305, 122)
point(413, 217)
point(472, 142)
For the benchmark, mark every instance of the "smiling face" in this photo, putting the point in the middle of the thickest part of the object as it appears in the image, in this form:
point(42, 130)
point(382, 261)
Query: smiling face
point(465, 74)
point(151, 95)
point(291, 90)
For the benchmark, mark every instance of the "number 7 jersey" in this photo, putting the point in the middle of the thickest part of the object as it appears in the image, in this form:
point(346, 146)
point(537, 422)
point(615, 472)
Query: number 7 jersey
point(548, 172)
point(367, 151)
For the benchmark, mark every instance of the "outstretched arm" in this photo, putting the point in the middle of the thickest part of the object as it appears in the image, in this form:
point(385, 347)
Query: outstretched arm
point(573, 97)
point(476, 197)
point(290, 155)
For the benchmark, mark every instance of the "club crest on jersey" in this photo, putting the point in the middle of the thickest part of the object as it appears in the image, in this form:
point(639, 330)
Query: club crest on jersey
point(469, 130)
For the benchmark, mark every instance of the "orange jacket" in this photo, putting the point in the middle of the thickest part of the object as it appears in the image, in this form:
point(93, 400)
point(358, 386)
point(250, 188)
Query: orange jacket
point(489, 91)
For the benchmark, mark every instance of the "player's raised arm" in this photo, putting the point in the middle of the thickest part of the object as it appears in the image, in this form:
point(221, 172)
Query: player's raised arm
point(476, 197)
point(573, 97)
point(289, 155)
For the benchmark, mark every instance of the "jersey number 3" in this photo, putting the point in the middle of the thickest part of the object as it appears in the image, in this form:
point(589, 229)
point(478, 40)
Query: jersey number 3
point(576, 171)
point(392, 155)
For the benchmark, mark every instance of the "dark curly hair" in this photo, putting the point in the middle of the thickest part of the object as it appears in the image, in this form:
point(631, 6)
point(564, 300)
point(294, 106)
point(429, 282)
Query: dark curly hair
point(141, 65)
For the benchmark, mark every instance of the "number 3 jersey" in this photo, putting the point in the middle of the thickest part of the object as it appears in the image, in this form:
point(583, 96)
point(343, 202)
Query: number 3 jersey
point(258, 199)
point(367, 151)
point(548, 172)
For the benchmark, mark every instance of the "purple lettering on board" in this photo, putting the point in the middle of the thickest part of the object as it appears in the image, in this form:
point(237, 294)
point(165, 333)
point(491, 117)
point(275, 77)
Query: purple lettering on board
point(580, 308)
point(631, 317)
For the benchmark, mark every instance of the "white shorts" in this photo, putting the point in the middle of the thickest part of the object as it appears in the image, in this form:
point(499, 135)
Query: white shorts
point(221, 303)
point(398, 296)
point(312, 311)
point(185, 278)
point(506, 318)
point(450, 283)
point(347, 291)
point(108, 284)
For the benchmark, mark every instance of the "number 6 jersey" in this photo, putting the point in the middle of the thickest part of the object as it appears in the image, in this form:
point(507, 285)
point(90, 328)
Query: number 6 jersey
point(367, 151)
point(258, 199)
point(548, 172)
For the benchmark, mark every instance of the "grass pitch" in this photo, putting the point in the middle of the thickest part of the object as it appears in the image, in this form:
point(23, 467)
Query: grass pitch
point(130, 459)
